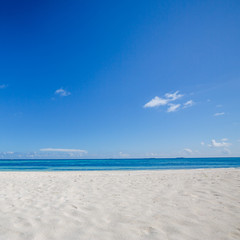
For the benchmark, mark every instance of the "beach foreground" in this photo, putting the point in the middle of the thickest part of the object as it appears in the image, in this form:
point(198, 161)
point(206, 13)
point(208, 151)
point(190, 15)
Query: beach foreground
point(170, 204)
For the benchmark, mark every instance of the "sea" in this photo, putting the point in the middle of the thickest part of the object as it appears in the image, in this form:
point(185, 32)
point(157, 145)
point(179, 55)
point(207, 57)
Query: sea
point(116, 164)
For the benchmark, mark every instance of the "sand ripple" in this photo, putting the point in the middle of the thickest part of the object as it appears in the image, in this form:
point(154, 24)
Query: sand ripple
point(172, 204)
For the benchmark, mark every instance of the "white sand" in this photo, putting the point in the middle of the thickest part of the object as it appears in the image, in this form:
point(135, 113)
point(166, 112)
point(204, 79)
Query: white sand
point(172, 204)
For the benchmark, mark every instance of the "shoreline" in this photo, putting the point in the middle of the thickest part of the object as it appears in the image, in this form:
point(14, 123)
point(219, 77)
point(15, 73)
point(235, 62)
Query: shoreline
point(140, 204)
point(116, 170)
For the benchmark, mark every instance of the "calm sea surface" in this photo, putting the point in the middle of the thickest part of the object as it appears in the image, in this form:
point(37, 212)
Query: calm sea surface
point(116, 164)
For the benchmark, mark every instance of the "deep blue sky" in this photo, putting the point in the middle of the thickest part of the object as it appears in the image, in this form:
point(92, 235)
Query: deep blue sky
point(77, 75)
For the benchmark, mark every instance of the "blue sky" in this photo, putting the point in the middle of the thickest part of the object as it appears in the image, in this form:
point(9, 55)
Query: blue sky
point(95, 79)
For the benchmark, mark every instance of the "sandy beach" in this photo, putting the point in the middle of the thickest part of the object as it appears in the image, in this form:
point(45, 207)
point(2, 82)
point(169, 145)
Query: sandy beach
point(170, 204)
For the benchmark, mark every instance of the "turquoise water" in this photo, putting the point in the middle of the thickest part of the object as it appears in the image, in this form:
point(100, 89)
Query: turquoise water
point(116, 164)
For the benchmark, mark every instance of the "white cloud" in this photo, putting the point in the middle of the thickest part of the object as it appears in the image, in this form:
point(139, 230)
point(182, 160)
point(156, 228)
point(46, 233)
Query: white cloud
point(156, 102)
point(188, 104)
point(216, 144)
point(219, 105)
point(173, 107)
point(48, 153)
point(167, 101)
point(63, 150)
point(219, 114)
point(187, 151)
point(3, 86)
point(61, 92)
point(202, 143)
point(173, 96)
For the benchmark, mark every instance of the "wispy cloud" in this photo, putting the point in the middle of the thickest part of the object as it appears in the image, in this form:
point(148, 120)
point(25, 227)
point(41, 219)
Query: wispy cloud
point(221, 146)
point(188, 151)
point(173, 107)
point(188, 104)
point(61, 92)
point(167, 100)
point(173, 96)
point(2, 86)
point(156, 102)
point(222, 143)
point(62, 150)
point(47, 153)
point(219, 114)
